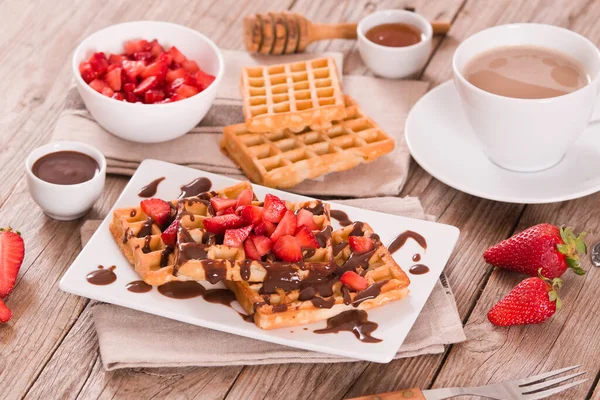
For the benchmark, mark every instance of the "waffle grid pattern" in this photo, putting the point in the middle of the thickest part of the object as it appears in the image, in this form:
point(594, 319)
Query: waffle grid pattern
point(284, 159)
point(292, 96)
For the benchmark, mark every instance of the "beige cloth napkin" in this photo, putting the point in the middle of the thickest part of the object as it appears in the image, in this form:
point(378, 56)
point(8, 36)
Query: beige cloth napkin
point(386, 101)
point(132, 339)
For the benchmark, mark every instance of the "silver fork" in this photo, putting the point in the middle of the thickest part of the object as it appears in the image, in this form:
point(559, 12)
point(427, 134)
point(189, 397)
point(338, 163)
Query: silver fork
point(532, 388)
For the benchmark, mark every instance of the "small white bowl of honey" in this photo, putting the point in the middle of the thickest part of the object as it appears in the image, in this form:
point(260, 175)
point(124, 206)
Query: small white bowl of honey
point(394, 43)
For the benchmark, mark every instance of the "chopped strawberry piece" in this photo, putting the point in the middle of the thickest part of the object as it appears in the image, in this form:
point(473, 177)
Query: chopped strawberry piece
point(156, 49)
point(117, 59)
point(118, 96)
point(133, 69)
point(113, 79)
point(235, 237)
point(203, 80)
point(264, 228)
point(245, 198)
point(287, 248)
point(263, 244)
point(5, 313)
point(159, 210)
point(190, 66)
point(354, 280)
point(149, 83)
point(251, 251)
point(287, 226)
point(229, 210)
point(98, 85)
point(169, 236)
point(130, 97)
point(153, 96)
point(173, 74)
point(128, 87)
point(99, 62)
point(87, 72)
point(221, 203)
point(306, 238)
point(178, 57)
point(187, 91)
point(158, 69)
point(108, 92)
point(176, 97)
point(142, 56)
point(12, 253)
point(305, 218)
point(251, 214)
point(221, 223)
point(274, 208)
point(360, 244)
point(135, 46)
point(172, 87)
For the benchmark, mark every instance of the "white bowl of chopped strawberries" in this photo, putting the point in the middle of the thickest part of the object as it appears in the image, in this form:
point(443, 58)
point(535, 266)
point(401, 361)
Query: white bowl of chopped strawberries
point(148, 81)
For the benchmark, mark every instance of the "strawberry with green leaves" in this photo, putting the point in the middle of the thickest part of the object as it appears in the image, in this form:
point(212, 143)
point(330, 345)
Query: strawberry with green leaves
point(532, 301)
point(543, 246)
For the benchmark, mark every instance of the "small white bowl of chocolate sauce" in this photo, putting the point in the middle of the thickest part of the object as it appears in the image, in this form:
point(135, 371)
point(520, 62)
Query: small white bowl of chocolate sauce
point(394, 43)
point(65, 178)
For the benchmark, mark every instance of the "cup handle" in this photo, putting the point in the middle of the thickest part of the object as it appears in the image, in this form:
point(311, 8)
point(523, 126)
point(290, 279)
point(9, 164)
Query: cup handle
point(596, 113)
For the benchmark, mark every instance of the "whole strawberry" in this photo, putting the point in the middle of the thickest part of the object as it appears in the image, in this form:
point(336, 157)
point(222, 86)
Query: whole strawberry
point(542, 246)
point(532, 301)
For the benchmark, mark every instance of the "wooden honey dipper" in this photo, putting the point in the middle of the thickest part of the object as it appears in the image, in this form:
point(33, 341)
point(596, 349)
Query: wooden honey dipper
point(284, 32)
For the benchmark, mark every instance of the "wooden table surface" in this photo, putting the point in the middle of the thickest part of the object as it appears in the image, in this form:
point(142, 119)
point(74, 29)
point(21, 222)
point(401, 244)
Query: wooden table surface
point(49, 349)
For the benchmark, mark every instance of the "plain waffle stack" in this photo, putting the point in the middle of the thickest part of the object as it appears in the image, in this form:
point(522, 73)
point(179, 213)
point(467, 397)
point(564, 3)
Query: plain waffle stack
point(323, 295)
point(292, 96)
point(286, 158)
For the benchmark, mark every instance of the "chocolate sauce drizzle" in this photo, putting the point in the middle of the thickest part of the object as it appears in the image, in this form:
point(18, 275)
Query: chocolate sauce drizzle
point(318, 209)
point(195, 187)
point(369, 293)
point(146, 228)
point(341, 217)
point(146, 248)
point(150, 189)
point(102, 276)
point(403, 237)
point(164, 255)
point(416, 257)
point(355, 321)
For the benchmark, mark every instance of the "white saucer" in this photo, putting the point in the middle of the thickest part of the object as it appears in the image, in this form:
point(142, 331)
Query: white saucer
point(441, 140)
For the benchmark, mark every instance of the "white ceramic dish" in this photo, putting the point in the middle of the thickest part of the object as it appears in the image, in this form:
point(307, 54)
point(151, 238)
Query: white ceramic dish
point(65, 202)
point(442, 141)
point(394, 62)
point(150, 123)
point(528, 135)
point(395, 320)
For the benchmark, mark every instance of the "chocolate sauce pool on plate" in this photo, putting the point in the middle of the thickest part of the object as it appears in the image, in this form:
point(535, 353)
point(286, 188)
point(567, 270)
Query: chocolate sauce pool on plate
point(150, 189)
point(219, 296)
point(403, 237)
point(195, 187)
point(355, 321)
point(138, 287)
point(419, 269)
point(181, 289)
point(416, 257)
point(102, 276)
point(65, 168)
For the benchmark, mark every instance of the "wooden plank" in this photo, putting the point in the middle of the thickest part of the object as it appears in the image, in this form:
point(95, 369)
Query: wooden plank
point(493, 354)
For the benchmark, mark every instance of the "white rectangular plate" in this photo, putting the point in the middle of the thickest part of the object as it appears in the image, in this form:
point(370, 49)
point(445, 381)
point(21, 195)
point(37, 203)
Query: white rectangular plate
point(395, 319)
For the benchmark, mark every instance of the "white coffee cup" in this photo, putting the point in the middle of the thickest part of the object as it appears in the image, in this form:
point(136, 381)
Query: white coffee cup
point(394, 62)
point(528, 135)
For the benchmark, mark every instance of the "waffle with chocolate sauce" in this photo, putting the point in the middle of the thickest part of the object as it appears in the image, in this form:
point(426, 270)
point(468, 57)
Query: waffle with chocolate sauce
point(201, 256)
point(281, 301)
point(285, 158)
point(292, 96)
